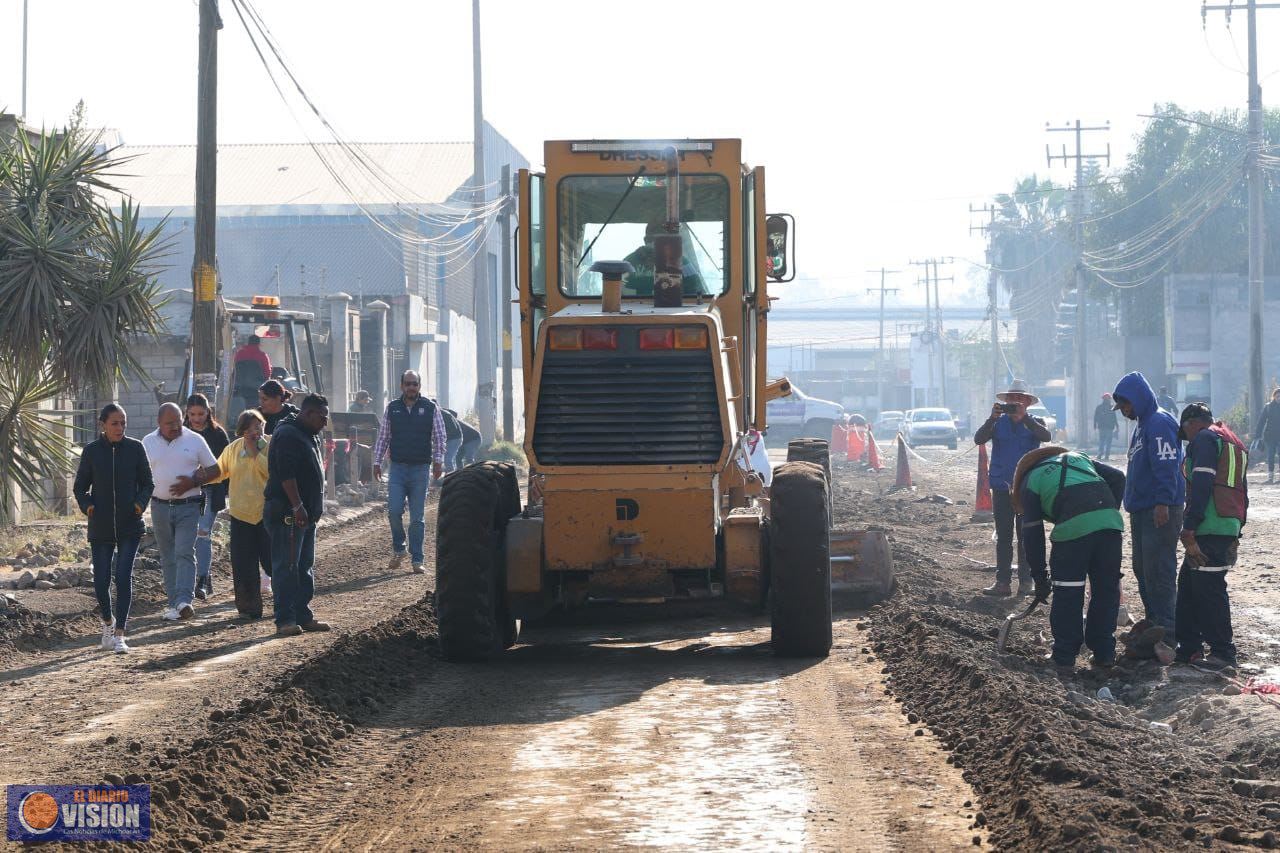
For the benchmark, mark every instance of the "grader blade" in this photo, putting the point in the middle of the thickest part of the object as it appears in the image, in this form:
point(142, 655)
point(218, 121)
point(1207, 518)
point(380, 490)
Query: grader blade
point(861, 567)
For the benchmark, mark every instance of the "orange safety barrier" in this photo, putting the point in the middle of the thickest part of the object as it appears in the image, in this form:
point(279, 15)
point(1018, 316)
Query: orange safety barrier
point(873, 453)
point(839, 438)
point(982, 499)
point(857, 444)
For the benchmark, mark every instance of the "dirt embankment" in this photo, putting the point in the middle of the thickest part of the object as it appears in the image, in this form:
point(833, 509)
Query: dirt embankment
point(1178, 758)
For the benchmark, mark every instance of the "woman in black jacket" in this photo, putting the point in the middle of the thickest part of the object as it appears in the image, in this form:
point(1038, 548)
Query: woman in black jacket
point(200, 419)
point(273, 403)
point(113, 486)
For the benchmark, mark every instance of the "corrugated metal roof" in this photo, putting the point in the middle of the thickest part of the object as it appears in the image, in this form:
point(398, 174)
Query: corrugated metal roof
point(292, 174)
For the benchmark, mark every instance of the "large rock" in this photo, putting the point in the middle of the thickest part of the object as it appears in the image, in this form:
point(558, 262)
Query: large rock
point(43, 585)
point(26, 580)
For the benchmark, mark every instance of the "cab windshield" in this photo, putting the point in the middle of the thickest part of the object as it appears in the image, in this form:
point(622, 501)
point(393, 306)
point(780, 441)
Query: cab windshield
point(588, 233)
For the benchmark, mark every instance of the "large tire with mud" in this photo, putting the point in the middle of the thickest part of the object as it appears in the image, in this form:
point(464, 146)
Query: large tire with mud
point(471, 611)
point(799, 562)
point(817, 451)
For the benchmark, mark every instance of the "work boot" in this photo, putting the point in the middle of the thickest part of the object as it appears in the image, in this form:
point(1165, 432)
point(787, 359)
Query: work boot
point(1061, 670)
point(1098, 662)
point(1219, 664)
point(1163, 652)
point(999, 589)
point(397, 560)
point(1026, 587)
point(314, 625)
point(288, 630)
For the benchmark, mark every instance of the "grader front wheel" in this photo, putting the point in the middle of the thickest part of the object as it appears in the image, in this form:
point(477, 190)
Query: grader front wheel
point(799, 562)
point(475, 504)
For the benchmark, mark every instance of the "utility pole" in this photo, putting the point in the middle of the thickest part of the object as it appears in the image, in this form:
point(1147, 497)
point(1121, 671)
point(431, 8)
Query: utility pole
point(204, 271)
point(1080, 403)
point(926, 336)
point(25, 16)
point(937, 317)
point(882, 290)
point(485, 372)
point(993, 294)
point(933, 324)
point(1256, 398)
point(504, 303)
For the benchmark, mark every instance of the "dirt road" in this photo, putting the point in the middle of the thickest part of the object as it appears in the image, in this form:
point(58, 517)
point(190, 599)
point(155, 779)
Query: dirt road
point(623, 734)
point(581, 740)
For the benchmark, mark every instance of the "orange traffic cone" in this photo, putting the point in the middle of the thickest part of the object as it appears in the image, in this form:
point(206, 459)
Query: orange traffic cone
point(873, 453)
point(855, 445)
point(982, 500)
point(839, 438)
point(903, 480)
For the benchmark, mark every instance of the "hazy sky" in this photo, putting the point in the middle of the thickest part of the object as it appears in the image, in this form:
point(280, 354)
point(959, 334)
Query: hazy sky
point(879, 122)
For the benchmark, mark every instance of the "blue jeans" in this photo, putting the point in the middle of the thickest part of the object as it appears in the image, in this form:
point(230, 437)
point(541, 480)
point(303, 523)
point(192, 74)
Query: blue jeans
point(123, 553)
point(175, 529)
point(204, 537)
point(408, 482)
point(1155, 563)
point(1104, 444)
point(293, 555)
point(1095, 557)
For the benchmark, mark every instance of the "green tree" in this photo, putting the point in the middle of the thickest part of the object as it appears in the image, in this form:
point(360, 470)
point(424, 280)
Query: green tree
point(77, 287)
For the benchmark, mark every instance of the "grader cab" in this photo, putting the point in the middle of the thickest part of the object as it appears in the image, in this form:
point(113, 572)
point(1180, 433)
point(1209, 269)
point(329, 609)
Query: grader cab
point(644, 273)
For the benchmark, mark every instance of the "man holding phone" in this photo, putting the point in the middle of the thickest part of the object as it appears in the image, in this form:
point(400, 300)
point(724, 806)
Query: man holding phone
point(1013, 434)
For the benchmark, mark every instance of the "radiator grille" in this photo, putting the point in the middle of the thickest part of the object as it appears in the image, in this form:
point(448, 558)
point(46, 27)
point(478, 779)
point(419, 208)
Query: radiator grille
point(640, 408)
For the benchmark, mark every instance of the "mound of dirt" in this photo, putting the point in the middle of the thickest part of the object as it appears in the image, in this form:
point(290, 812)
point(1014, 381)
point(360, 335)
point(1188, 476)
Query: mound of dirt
point(267, 746)
point(1056, 768)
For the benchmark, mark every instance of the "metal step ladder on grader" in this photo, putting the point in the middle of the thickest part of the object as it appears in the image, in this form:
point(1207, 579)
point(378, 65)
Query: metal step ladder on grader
point(644, 269)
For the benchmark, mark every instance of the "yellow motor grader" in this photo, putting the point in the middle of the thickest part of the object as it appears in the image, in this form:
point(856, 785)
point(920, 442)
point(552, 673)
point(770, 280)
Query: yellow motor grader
point(644, 274)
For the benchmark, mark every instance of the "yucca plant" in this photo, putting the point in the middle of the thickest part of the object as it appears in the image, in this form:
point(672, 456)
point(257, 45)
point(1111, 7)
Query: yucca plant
point(77, 287)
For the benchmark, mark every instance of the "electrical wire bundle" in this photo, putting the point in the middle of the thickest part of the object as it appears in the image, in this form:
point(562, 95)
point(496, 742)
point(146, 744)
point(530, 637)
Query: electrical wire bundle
point(464, 226)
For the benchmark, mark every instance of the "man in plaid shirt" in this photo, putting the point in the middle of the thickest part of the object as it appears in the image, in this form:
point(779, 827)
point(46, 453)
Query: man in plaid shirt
point(412, 432)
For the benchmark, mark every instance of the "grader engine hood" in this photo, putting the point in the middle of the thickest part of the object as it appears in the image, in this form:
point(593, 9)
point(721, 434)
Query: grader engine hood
point(646, 389)
point(631, 426)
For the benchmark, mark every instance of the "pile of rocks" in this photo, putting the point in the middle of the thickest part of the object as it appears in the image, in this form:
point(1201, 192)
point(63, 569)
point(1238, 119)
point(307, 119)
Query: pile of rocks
point(349, 495)
point(63, 577)
point(33, 556)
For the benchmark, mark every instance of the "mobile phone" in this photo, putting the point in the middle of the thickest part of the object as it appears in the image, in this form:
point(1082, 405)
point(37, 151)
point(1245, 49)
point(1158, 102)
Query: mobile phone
point(1008, 408)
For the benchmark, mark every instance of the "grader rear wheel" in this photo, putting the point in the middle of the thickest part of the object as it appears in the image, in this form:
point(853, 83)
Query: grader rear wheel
point(799, 562)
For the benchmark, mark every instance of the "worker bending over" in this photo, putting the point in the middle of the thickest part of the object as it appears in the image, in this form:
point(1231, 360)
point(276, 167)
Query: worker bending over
point(1080, 497)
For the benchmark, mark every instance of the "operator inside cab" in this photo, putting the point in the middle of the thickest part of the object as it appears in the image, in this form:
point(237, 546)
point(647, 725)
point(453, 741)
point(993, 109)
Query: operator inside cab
point(644, 260)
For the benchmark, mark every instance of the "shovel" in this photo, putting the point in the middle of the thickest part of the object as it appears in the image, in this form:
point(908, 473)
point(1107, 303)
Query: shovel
point(1003, 637)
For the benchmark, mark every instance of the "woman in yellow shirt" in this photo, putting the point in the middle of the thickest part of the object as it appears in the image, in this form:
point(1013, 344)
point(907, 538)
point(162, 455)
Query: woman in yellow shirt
point(244, 465)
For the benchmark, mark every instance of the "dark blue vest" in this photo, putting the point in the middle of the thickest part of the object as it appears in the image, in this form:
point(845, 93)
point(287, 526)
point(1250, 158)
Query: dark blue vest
point(411, 430)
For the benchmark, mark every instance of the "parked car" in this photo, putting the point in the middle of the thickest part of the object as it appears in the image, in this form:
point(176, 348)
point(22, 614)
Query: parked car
point(930, 426)
point(1039, 411)
point(888, 424)
point(799, 414)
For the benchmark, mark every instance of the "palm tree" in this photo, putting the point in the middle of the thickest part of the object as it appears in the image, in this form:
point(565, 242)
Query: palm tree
point(77, 287)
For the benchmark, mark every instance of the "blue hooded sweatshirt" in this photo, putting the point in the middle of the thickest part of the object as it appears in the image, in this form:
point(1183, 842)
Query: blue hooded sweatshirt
point(1155, 454)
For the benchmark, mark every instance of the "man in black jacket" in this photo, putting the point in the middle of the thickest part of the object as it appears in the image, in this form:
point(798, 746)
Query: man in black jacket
point(1104, 421)
point(1269, 432)
point(294, 503)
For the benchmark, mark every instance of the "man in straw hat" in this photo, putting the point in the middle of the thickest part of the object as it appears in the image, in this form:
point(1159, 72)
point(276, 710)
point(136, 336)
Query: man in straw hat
point(1081, 498)
point(1012, 433)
